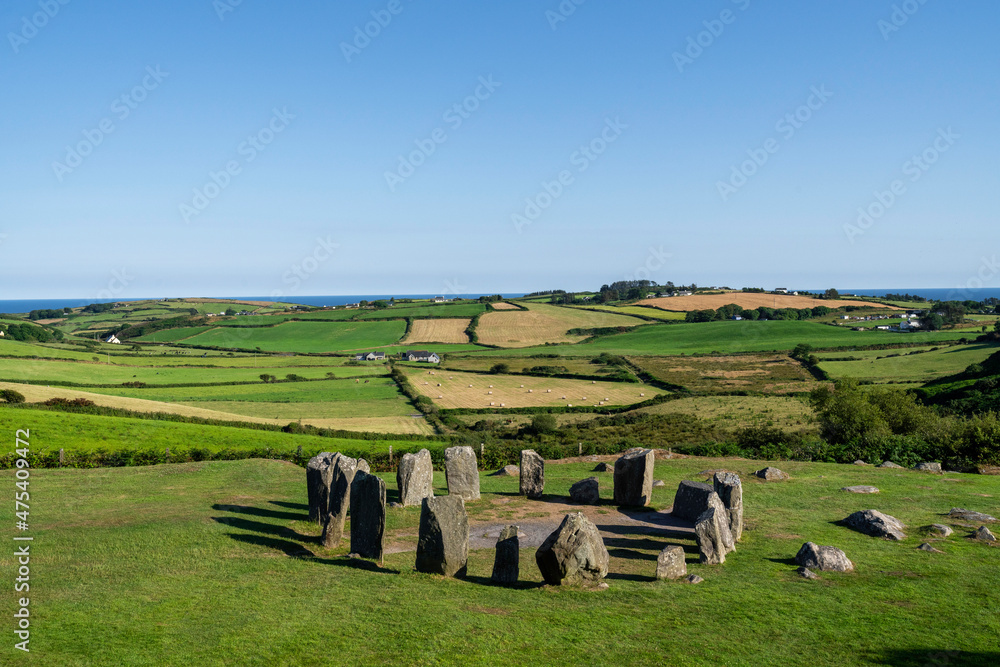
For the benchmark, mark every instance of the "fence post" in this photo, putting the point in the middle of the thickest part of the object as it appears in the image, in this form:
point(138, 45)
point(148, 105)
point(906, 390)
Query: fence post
point(390, 455)
point(482, 448)
point(580, 448)
point(62, 457)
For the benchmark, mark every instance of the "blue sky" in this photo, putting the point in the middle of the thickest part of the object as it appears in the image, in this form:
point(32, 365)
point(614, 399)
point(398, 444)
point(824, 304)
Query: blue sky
point(665, 121)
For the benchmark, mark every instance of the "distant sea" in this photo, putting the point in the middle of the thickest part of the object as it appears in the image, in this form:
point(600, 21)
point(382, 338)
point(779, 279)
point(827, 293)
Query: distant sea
point(27, 305)
point(931, 294)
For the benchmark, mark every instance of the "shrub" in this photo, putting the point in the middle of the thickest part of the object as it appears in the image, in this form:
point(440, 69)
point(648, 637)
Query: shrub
point(11, 396)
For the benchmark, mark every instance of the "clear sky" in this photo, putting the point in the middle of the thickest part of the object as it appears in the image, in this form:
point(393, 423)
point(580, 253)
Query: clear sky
point(195, 147)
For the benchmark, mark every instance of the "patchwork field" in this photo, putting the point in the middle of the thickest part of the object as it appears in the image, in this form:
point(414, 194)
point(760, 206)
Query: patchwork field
point(906, 365)
point(773, 374)
point(749, 300)
point(522, 364)
point(460, 309)
point(542, 324)
point(438, 331)
point(501, 305)
point(305, 336)
point(522, 392)
point(641, 311)
point(784, 412)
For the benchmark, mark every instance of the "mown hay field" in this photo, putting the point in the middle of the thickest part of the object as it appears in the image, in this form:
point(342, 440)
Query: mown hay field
point(438, 331)
point(542, 324)
point(749, 301)
point(768, 373)
point(511, 391)
point(784, 412)
point(642, 311)
point(502, 305)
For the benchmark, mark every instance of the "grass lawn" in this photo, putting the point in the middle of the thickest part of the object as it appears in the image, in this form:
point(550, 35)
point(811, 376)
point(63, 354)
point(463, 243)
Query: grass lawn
point(305, 336)
point(215, 563)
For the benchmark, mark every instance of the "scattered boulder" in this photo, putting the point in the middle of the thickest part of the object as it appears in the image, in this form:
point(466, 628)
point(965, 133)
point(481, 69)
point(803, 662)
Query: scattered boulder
point(443, 538)
point(806, 573)
point(340, 474)
point(367, 515)
point(859, 462)
point(712, 534)
point(889, 464)
point(507, 471)
point(506, 564)
point(969, 515)
point(983, 533)
point(939, 529)
point(573, 552)
point(694, 579)
point(730, 490)
point(604, 467)
point(532, 474)
point(771, 474)
point(928, 466)
point(988, 470)
point(823, 558)
point(670, 564)
point(658, 483)
point(415, 478)
point(634, 478)
point(860, 489)
point(876, 524)
point(461, 472)
point(315, 487)
point(586, 491)
point(927, 547)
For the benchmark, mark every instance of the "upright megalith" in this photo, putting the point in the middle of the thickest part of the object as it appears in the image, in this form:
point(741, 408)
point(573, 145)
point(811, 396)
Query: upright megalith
point(634, 478)
point(586, 491)
point(692, 499)
point(711, 531)
point(315, 487)
point(671, 564)
point(730, 490)
point(443, 540)
point(337, 479)
point(574, 552)
point(415, 478)
point(367, 515)
point(461, 472)
point(532, 474)
point(507, 563)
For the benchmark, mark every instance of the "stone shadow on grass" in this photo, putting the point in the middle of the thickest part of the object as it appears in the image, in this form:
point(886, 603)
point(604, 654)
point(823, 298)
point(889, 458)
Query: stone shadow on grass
point(627, 548)
point(265, 528)
point(289, 548)
point(357, 564)
point(784, 561)
point(292, 506)
point(625, 576)
point(264, 512)
point(488, 581)
point(937, 656)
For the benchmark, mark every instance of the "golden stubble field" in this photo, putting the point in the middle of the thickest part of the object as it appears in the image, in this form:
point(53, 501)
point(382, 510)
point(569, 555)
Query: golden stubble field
point(749, 301)
point(438, 331)
point(542, 324)
point(455, 389)
point(504, 306)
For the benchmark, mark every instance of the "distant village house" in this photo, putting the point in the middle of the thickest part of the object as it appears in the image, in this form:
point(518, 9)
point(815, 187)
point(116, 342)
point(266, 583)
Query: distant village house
point(421, 355)
point(370, 356)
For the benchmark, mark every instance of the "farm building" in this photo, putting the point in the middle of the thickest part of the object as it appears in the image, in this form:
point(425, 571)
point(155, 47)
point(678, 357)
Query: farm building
point(370, 356)
point(113, 339)
point(421, 355)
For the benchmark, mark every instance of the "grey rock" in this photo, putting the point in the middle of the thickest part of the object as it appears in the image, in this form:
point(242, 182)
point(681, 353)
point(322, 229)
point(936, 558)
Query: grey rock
point(367, 515)
point(658, 483)
point(604, 467)
point(730, 490)
point(415, 478)
point(823, 558)
point(507, 471)
point(338, 478)
point(712, 535)
point(889, 464)
point(573, 552)
point(694, 579)
point(691, 499)
point(506, 564)
point(939, 529)
point(983, 533)
point(876, 524)
point(443, 539)
point(461, 472)
point(634, 478)
point(771, 474)
point(927, 547)
point(395, 505)
point(860, 489)
point(532, 474)
point(928, 466)
point(670, 564)
point(315, 488)
point(859, 462)
point(969, 515)
point(586, 491)
point(806, 573)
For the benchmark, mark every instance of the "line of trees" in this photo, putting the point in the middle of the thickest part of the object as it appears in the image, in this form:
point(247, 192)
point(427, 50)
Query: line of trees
point(731, 310)
point(48, 313)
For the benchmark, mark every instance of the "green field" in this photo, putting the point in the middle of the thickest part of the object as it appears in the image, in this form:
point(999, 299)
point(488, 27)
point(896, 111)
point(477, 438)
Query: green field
point(412, 310)
point(655, 313)
point(214, 563)
point(920, 365)
point(305, 336)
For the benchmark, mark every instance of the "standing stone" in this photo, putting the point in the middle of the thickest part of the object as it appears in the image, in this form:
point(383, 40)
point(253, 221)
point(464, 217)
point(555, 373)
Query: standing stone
point(691, 499)
point(337, 479)
point(671, 564)
point(506, 565)
point(315, 488)
point(876, 524)
point(461, 472)
point(573, 552)
point(730, 490)
point(710, 532)
point(586, 491)
point(824, 559)
point(532, 474)
point(415, 478)
point(443, 542)
point(367, 515)
point(634, 478)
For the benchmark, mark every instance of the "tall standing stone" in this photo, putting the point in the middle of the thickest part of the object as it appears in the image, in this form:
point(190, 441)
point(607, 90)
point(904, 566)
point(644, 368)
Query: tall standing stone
point(532, 474)
point(507, 563)
point(461, 472)
point(415, 478)
point(634, 478)
point(574, 551)
point(315, 487)
point(337, 478)
point(691, 499)
point(671, 564)
point(443, 541)
point(730, 490)
point(710, 532)
point(368, 515)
